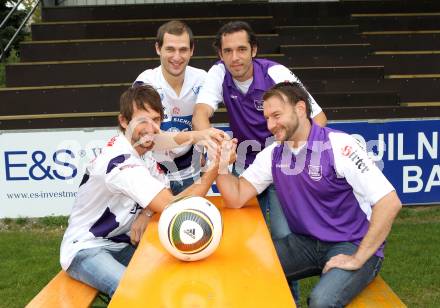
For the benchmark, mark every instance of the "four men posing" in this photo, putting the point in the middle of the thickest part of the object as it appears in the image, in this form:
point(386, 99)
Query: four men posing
point(325, 196)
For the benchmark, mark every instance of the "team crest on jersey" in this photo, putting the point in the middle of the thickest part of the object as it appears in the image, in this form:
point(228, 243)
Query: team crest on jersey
point(176, 111)
point(258, 103)
point(315, 172)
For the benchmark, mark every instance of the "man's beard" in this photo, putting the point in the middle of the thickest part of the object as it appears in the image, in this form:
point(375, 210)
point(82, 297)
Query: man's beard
point(290, 131)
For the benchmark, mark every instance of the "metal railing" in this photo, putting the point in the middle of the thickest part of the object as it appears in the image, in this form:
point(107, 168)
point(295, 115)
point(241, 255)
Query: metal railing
point(23, 23)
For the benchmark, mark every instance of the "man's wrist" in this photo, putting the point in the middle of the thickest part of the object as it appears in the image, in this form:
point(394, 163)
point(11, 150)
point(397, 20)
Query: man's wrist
point(148, 212)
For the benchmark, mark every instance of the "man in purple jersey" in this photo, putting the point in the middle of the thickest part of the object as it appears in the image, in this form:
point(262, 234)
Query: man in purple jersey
point(338, 204)
point(239, 80)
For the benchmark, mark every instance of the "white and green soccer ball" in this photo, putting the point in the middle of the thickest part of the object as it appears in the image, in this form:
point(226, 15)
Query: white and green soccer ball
point(190, 228)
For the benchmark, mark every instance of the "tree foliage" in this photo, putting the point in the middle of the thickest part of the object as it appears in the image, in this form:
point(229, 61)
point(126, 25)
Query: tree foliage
point(11, 26)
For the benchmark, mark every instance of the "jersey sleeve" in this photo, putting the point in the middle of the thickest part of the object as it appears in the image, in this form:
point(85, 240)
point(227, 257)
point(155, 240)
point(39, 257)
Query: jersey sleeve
point(211, 92)
point(259, 173)
point(145, 77)
point(352, 163)
point(134, 180)
point(280, 73)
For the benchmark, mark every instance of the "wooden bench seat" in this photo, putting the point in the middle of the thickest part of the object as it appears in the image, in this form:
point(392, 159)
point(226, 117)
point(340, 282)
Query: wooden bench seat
point(64, 291)
point(377, 294)
point(175, 282)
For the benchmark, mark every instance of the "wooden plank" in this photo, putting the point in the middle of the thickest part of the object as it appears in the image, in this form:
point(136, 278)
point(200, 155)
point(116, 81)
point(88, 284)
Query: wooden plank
point(377, 294)
point(64, 291)
point(243, 272)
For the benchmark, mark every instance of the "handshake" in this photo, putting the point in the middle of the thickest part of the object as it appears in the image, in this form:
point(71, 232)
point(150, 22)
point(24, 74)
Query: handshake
point(220, 147)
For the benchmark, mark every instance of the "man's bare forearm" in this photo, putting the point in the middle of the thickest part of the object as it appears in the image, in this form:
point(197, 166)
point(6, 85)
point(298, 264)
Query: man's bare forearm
point(229, 187)
point(200, 120)
point(383, 215)
point(202, 186)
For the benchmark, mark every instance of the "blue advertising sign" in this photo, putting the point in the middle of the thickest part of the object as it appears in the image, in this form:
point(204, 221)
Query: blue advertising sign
point(407, 151)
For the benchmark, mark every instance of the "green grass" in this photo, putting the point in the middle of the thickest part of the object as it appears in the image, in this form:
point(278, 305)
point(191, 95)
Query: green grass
point(28, 262)
point(30, 253)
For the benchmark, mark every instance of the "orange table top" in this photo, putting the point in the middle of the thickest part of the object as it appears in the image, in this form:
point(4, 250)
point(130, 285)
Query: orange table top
point(243, 272)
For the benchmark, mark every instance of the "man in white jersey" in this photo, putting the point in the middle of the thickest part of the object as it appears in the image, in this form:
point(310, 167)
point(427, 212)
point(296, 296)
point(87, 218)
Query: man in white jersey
point(120, 191)
point(338, 204)
point(178, 85)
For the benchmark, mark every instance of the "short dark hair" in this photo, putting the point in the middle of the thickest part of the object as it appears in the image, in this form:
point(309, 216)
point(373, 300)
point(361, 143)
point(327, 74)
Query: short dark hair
point(294, 91)
point(174, 27)
point(139, 94)
point(232, 27)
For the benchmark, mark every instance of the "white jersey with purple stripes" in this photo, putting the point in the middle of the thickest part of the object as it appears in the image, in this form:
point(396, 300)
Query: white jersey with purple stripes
point(116, 186)
point(178, 111)
point(327, 188)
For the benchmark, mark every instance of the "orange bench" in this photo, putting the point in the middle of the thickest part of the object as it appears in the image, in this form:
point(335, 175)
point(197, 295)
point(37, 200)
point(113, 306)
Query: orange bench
point(189, 286)
point(377, 294)
point(64, 291)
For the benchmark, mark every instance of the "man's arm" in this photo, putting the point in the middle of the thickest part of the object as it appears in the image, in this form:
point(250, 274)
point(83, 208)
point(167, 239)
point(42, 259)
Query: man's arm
point(201, 115)
point(165, 197)
point(170, 140)
point(383, 214)
point(321, 119)
point(373, 187)
point(235, 191)
point(280, 73)
point(199, 188)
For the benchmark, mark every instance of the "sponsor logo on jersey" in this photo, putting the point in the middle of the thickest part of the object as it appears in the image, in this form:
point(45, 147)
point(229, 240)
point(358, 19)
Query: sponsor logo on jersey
point(359, 162)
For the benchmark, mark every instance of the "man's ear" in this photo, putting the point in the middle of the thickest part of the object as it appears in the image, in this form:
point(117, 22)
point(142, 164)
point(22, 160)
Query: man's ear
point(157, 48)
point(220, 54)
point(254, 51)
point(123, 121)
point(301, 108)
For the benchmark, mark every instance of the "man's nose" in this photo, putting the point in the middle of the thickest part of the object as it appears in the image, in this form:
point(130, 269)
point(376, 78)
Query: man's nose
point(177, 54)
point(235, 55)
point(270, 124)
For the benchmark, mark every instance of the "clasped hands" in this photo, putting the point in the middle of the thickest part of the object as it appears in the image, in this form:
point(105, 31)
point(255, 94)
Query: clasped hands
point(221, 148)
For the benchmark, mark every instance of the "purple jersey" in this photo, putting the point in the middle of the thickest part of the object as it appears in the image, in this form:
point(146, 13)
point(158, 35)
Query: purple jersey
point(245, 110)
point(326, 189)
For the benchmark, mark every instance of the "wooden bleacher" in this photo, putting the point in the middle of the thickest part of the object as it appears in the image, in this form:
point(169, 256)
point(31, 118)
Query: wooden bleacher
point(361, 60)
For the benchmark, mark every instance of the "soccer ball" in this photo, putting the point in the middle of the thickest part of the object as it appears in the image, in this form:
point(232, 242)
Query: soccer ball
point(190, 228)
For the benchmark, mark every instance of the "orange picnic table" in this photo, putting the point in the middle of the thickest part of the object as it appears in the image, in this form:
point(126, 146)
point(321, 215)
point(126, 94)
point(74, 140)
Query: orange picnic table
point(243, 272)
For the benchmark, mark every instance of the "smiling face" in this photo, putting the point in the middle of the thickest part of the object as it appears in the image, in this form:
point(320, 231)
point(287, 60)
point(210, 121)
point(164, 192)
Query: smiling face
point(282, 118)
point(141, 129)
point(237, 53)
point(174, 54)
